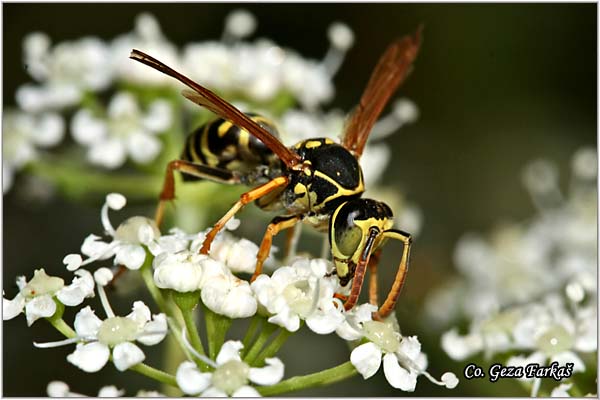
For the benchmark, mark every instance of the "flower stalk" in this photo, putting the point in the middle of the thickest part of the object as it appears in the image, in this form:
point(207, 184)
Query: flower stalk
point(257, 346)
point(216, 329)
point(322, 378)
point(155, 374)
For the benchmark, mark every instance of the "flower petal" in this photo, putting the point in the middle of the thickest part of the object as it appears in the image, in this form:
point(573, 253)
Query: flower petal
point(127, 355)
point(72, 261)
point(366, 358)
point(143, 147)
point(270, 374)
point(228, 295)
point(325, 322)
point(154, 331)
point(569, 357)
point(190, 380)
point(461, 347)
point(12, 308)
point(87, 323)
point(140, 313)
point(561, 390)
point(397, 376)
point(57, 389)
point(110, 391)
point(246, 391)
point(81, 287)
point(90, 357)
point(213, 392)
point(229, 351)
point(39, 307)
point(95, 248)
point(286, 319)
point(182, 271)
point(130, 255)
point(450, 380)
point(108, 153)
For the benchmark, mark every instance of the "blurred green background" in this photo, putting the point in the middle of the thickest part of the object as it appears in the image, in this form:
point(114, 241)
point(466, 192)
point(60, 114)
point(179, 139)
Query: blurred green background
point(497, 85)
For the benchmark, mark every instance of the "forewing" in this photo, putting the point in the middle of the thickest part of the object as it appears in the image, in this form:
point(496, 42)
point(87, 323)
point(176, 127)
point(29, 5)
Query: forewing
point(206, 98)
point(391, 70)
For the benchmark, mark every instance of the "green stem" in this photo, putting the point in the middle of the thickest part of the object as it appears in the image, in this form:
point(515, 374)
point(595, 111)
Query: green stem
point(190, 325)
point(256, 320)
point(575, 391)
point(273, 347)
point(322, 378)
point(216, 329)
point(155, 374)
point(258, 345)
point(62, 327)
point(75, 179)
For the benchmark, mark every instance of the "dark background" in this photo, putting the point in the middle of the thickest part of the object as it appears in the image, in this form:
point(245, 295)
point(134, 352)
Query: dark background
point(497, 85)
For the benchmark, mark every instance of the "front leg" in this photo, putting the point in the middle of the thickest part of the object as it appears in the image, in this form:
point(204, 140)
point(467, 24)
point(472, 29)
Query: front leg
point(245, 198)
point(277, 224)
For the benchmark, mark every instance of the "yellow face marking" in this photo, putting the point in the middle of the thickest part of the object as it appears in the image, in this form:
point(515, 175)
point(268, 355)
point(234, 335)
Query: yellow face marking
point(311, 144)
point(299, 189)
point(328, 141)
point(341, 260)
point(223, 128)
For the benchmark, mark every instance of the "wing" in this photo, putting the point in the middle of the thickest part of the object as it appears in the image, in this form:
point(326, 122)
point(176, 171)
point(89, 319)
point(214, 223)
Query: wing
point(204, 97)
point(391, 70)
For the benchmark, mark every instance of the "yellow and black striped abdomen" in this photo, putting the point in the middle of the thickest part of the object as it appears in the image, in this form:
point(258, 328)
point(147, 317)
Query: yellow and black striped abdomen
point(221, 144)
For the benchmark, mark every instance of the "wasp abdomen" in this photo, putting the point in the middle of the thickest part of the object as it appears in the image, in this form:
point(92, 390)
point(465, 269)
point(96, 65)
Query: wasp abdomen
point(221, 144)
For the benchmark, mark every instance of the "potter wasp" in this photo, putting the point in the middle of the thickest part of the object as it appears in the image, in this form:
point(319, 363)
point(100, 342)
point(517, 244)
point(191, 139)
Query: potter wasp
point(317, 181)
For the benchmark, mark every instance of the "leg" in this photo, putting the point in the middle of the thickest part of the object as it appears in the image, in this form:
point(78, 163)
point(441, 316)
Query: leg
point(245, 198)
point(277, 224)
point(359, 270)
point(390, 302)
point(291, 242)
point(373, 262)
point(197, 170)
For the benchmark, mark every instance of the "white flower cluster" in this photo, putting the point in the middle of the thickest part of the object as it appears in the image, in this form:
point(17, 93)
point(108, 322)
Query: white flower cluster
point(22, 134)
point(523, 262)
point(531, 290)
point(301, 291)
point(230, 376)
point(71, 74)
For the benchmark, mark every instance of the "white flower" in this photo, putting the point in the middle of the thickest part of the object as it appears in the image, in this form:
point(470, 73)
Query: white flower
point(231, 376)
point(300, 292)
point(402, 358)
point(351, 327)
point(221, 291)
point(65, 72)
point(225, 294)
point(125, 131)
point(544, 332)
point(61, 389)
point(561, 390)
point(182, 271)
point(22, 134)
point(148, 37)
point(128, 240)
point(36, 297)
point(522, 262)
point(96, 339)
point(262, 70)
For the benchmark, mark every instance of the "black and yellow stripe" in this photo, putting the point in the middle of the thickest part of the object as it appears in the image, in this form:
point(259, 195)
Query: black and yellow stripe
point(220, 144)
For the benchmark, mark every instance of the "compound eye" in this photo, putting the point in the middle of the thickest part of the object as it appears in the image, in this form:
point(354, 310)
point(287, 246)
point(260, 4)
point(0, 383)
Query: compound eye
point(347, 235)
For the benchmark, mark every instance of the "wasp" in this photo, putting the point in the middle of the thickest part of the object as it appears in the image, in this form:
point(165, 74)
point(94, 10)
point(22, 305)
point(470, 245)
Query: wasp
point(316, 181)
